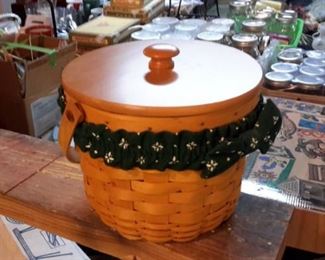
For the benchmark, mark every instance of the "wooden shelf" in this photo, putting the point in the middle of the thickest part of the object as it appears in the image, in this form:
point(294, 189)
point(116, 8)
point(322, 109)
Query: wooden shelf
point(319, 99)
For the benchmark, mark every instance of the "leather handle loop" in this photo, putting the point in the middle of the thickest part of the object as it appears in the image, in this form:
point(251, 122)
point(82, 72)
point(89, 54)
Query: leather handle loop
point(72, 116)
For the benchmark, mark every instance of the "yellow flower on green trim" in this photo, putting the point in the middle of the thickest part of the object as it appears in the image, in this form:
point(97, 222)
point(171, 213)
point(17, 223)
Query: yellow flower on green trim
point(157, 147)
point(109, 157)
point(211, 165)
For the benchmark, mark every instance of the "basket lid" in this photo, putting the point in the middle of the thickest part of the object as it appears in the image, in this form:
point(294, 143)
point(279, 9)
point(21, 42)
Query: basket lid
point(182, 74)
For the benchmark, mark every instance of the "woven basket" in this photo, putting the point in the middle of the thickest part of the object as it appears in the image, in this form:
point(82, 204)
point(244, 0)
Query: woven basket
point(154, 204)
point(160, 206)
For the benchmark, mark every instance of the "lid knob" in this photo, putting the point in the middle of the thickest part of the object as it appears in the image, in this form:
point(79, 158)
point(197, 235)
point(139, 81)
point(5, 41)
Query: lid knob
point(161, 55)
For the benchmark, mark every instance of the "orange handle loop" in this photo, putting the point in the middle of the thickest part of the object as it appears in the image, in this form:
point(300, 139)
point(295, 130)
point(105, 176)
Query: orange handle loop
point(161, 55)
point(71, 117)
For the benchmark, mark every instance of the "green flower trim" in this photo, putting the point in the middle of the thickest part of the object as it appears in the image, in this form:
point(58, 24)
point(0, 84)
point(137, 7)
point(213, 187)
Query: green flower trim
point(211, 151)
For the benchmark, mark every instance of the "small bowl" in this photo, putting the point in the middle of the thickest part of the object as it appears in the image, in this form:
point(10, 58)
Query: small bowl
point(285, 67)
point(145, 35)
point(253, 26)
point(263, 16)
point(217, 28)
point(210, 36)
point(302, 51)
point(158, 28)
point(244, 40)
point(224, 22)
point(194, 22)
point(309, 83)
point(315, 54)
point(165, 20)
point(314, 62)
point(278, 80)
point(312, 71)
point(290, 56)
point(186, 28)
point(177, 36)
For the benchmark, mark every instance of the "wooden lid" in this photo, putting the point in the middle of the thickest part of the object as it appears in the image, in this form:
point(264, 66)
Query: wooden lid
point(182, 74)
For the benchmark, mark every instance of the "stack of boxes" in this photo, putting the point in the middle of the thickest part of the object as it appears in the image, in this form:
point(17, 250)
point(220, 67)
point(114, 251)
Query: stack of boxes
point(102, 31)
point(145, 10)
point(114, 26)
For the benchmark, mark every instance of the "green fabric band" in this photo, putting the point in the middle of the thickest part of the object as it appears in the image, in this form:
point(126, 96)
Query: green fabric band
point(211, 151)
point(50, 52)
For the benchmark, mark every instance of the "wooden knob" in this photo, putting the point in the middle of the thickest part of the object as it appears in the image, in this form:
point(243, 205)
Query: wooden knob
point(161, 55)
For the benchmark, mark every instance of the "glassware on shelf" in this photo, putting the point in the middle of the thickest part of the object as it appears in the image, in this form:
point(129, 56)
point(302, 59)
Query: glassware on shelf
point(210, 36)
point(194, 21)
point(9, 23)
point(247, 43)
point(158, 28)
point(278, 80)
point(144, 35)
point(256, 27)
point(238, 11)
point(320, 63)
point(264, 16)
point(223, 29)
point(224, 22)
point(290, 56)
point(319, 38)
point(283, 28)
point(308, 83)
point(186, 29)
point(285, 67)
point(171, 21)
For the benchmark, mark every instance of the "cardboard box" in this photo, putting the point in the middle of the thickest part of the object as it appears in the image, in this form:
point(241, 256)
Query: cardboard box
point(28, 105)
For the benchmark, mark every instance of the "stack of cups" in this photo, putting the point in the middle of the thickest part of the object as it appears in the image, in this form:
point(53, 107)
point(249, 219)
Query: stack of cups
point(170, 28)
point(159, 27)
point(306, 70)
point(218, 30)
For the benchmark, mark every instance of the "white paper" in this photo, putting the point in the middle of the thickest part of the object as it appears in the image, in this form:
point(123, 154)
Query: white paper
point(45, 114)
point(38, 244)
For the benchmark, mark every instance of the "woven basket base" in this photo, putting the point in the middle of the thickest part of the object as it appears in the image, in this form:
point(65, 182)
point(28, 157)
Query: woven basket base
point(160, 206)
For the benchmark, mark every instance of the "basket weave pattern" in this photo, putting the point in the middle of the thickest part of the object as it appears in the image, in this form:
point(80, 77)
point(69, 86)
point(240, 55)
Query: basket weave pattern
point(160, 206)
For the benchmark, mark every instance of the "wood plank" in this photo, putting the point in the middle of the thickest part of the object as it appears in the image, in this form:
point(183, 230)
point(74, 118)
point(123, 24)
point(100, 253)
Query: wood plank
point(319, 99)
point(92, 234)
point(255, 231)
point(234, 239)
point(22, 156)
point(307, 231)
point(53, 199)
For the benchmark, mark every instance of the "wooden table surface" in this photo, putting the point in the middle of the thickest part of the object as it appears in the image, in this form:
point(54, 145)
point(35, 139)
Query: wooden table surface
point(41, 188)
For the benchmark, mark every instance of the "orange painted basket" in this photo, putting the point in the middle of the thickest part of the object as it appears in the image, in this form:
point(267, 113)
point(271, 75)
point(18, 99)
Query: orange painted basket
point(148, 139)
